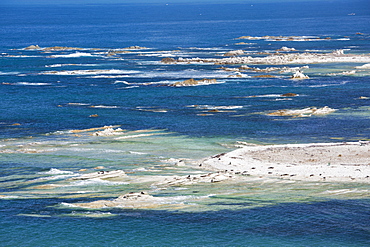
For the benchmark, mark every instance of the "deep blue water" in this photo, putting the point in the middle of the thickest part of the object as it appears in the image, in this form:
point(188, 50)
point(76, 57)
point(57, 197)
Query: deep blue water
point(332, 223)
point(35, 104)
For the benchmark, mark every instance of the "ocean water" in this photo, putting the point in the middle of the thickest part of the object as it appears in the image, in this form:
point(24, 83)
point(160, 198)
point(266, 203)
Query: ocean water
point(55, 103)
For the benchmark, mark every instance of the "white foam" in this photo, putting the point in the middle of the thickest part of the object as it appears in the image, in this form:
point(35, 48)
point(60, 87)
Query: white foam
point(365, 66)
point(78, 104)
point(265, 96)
point(76, 54)
point(104, 106)
point(32, 84)
point(212, 107)
point(138, 153)
point(68, 64)
point(124, 82)
point(54, 171)
point(20, 56)
point(9, 73)
point(57, 177)
point(90, 72)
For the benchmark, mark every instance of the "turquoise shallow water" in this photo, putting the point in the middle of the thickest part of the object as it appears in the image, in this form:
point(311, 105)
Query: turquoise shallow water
point(53, 101)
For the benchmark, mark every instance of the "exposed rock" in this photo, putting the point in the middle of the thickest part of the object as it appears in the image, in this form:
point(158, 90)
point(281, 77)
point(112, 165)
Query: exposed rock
point(135, 47)
point(168, 60)
point(33, 47)
point(60, 48)
point(337, 162)
point(289, 58)
point(192, 82)
point(289, 95)
point(306, 112)
point(193, 179)
point(234, 53)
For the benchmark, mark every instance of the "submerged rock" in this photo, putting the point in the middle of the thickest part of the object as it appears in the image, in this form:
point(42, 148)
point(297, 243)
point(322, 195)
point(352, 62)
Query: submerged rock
point(130, 200)
point(264, 76)
point(101, 175)
point(133, 200)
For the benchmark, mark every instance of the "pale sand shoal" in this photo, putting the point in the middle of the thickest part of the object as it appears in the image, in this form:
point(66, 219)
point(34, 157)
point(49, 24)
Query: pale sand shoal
point(331, 162)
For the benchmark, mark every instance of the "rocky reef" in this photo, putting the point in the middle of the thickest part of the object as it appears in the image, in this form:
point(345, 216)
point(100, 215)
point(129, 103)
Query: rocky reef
point(306, 112)
point(193, 179)
point(192, 82)
point(337, 56)
point(131, 200)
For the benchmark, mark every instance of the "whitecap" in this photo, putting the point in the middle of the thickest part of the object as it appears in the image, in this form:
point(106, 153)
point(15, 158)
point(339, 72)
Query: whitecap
point(57, 177)
point(128, 87)
point(32, 84)
point(20, 56)
point(76, 54)
point(54, 171)
point(90, 72)
point(104, 106)
point(365, 66)
point(68, 64)
point(78, 104)
point(124, 82)
point(9, 73)
point(265, 96)
point(8, 197)
point(138, 153)
point(212, 107)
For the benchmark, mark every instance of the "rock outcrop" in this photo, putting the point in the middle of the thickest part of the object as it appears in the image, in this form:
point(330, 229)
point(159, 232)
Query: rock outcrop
point(168, 60)
point(234, 53)
point(306, 112)
point(33, 47)
point(194, 179)
point(192, 82)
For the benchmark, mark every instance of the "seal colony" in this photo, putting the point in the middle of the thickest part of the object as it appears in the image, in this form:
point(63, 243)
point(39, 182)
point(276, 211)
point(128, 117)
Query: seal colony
point(347, 162)
point(334, 162)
